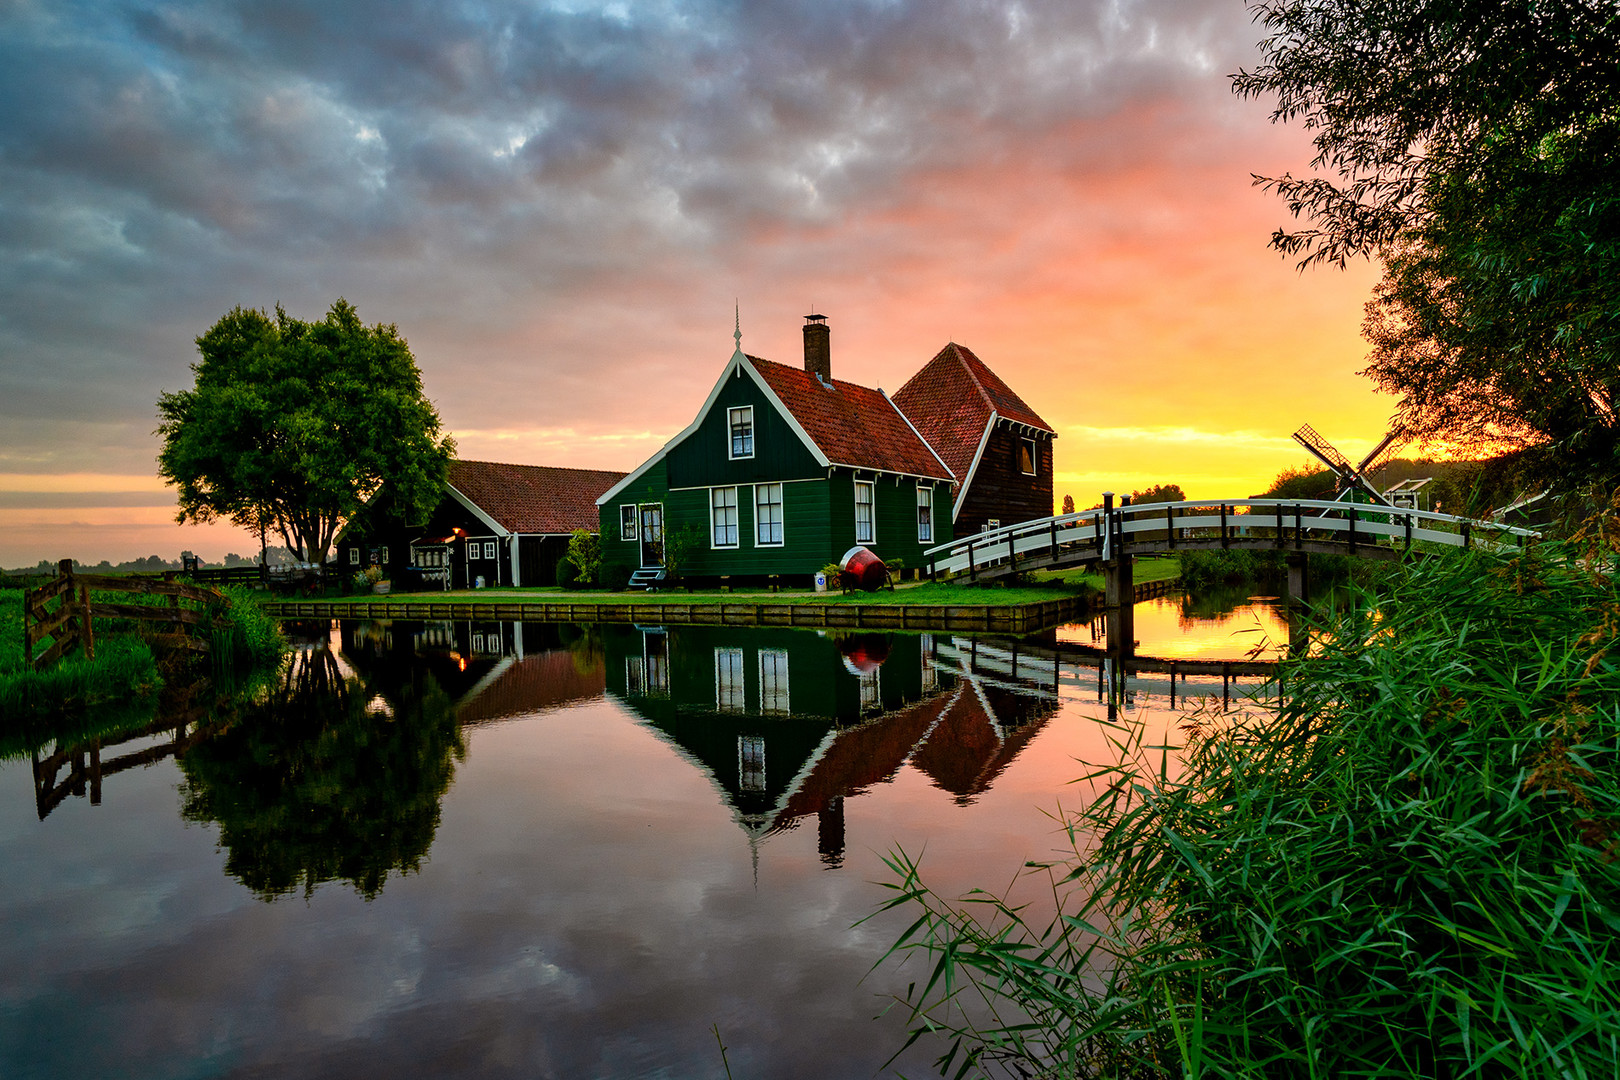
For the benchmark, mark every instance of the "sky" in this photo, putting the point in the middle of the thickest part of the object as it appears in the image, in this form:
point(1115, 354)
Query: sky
point(564, 205)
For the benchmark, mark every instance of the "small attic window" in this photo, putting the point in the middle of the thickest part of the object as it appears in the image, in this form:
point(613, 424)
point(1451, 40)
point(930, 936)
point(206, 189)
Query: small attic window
point(742, 431)
point(1026, 456)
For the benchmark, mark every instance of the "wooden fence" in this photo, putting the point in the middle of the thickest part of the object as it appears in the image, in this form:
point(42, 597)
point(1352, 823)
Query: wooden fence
point(70, 623)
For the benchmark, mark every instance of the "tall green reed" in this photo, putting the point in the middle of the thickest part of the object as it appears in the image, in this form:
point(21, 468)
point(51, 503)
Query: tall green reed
point(1412, 868)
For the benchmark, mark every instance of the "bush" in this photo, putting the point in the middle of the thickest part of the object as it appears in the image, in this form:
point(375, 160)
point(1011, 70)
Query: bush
point(1410, 869)
point(567, 573)
point(615, 576)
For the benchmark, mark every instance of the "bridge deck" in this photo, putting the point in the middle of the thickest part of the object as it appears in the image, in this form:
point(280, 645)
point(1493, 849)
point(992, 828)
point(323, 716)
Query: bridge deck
point(1306, 526)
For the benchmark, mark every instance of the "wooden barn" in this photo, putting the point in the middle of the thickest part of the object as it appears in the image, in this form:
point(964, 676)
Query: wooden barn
point(497, 525)
point(996, 446)
point(783, 470)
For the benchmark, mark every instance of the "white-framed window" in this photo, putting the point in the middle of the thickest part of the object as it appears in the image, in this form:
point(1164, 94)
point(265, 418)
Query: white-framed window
point(489, 549)
point(354, 556)
point(627, 522)
point(740, 419)
point(723, 517)
point(871, 691)
point(729, 694)
point(635, 675)
point(656, 649)
point(478, 643)
point(930, 673)
point(768, 515)
point(773, 682)
point(473, 550)
point(925, 514)
point(865, 518)
point(751, 762)
point(1027, 456)
point(382, 558)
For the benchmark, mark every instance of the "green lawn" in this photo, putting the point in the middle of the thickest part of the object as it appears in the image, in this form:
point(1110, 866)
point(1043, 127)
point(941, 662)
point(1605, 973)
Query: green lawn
point(1043, 586)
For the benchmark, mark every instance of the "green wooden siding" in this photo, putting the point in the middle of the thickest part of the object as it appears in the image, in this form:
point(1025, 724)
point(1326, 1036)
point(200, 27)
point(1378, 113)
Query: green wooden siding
point(703, 459)
point(818, 525)
point(818, 510)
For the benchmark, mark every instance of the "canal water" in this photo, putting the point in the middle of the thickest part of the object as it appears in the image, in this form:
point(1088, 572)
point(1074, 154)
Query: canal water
point(470, 849)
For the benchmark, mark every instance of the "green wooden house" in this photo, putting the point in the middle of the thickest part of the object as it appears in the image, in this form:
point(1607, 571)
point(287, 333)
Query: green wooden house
point(782, 472)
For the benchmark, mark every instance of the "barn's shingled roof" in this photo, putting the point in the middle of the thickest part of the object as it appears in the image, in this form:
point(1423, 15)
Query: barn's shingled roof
point(950, 401)
point(533, 498)
point(852, 425)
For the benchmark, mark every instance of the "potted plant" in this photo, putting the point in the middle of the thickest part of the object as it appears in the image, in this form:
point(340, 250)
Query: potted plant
point(374, 575)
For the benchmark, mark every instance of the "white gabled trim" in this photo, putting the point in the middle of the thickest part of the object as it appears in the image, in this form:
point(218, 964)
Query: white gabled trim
point(919, 435)
point(984, 440)
point(737, 364)
point(478, 512)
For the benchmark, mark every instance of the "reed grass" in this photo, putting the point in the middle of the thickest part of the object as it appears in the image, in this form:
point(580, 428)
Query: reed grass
point(1412, 868)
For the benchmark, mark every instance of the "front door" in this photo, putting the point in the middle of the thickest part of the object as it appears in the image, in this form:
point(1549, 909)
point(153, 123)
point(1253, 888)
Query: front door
point(652, 534)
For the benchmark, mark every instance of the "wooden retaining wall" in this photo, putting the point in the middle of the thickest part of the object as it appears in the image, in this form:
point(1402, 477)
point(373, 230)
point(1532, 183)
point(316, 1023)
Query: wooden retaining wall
point(995, 619)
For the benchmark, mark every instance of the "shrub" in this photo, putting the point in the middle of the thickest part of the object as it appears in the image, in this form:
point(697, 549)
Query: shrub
point(585, 552)
point(567, 573)
point(615, 576)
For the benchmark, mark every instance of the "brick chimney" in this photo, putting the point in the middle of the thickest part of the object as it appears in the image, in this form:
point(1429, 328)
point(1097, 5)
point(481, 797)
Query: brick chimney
point(817, 347)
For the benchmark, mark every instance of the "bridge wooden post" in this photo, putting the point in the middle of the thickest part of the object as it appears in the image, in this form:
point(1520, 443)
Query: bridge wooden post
point(1299, 576)
point(973, 571)
point(1224, 541)
point(1170, 535)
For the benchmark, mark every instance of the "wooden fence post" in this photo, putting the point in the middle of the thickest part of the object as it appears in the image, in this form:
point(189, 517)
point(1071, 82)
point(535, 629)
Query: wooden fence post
point(86, 627)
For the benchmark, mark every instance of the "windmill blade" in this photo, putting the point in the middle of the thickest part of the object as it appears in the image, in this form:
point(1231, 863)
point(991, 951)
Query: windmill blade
point(1307, 437)
point(1383, 451)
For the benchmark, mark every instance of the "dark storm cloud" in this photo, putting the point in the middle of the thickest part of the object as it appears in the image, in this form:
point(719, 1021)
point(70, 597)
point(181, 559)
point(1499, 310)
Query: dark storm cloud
point(497, 175)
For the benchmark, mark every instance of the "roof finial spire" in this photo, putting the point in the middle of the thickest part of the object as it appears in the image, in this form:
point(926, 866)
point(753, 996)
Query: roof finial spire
point(737, 333)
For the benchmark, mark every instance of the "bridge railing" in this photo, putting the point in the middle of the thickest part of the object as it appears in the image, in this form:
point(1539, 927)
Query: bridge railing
point(1094, 535)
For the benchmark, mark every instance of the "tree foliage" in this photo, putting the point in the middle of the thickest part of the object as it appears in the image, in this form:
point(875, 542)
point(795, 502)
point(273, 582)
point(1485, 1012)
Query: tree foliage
point(1159, 493)
point(1471, 145)
point(295, 425)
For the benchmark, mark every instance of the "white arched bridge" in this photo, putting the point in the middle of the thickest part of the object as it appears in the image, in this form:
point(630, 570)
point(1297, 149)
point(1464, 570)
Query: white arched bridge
point(1110, 535)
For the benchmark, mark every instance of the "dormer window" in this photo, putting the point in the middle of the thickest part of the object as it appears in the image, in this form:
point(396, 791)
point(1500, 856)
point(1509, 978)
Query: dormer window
point(742, 431)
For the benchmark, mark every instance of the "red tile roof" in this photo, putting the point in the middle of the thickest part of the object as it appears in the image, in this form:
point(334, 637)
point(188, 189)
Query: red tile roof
point(852, 424)
point(950, 401)
point(533, 498)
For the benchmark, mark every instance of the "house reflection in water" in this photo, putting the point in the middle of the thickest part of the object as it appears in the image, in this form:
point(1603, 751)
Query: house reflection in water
point(493, 671)
point(790, 723)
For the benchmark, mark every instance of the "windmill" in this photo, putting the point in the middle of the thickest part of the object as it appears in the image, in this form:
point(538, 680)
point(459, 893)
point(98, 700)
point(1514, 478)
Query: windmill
point(1351, 477)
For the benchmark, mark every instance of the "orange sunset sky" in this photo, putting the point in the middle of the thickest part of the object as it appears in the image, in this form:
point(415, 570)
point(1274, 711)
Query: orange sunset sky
point(560, 204)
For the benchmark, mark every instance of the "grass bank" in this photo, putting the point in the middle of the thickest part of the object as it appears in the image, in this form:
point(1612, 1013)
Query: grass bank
point(1030, 589)
point(1411, 869)
point(125, 668)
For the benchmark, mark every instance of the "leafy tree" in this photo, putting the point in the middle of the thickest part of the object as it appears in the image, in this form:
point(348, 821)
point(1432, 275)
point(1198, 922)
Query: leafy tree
point(1159, 493)
point(1068, 504)
point(296, 425)
point(1474, 146)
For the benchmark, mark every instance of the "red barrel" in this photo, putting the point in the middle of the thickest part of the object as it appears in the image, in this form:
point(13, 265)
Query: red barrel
point(864, 568)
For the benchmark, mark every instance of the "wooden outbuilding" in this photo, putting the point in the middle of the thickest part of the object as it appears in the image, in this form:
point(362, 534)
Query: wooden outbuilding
point(997, 447)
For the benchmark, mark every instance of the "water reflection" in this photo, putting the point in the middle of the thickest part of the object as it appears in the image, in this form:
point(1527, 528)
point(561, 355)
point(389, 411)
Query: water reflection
point(787, 724)
point(325, 778)
point(524, 850)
